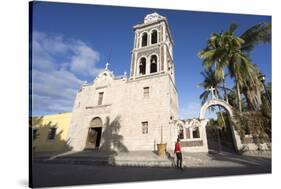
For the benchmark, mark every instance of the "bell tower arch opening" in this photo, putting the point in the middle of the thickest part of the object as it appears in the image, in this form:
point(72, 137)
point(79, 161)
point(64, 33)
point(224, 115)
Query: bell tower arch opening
point(142, 66)
point(154, 37)
point(153, 64)
point(154, 30)
point(144, 38)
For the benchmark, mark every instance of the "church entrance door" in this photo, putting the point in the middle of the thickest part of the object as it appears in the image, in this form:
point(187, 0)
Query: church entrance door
point(94, 134)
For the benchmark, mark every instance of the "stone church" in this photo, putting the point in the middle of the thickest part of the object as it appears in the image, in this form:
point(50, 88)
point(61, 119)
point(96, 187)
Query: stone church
point(139, 111)
point(135, 112)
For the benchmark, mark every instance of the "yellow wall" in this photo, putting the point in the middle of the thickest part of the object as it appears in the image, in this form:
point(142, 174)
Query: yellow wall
point(44, 123)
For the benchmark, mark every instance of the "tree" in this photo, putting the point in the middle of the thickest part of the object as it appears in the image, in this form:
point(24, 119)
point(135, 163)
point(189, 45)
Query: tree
point(210, 80)
point(229, 51)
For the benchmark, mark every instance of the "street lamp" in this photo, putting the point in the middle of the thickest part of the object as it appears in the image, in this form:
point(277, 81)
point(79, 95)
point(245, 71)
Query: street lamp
point(262, 79)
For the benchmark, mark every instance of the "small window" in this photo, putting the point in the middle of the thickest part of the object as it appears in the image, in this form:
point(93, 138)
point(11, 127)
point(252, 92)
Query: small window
point(180, 132)
point(196, 133)
point(100, 98)
point(35, 133)
point(144, 127)
point(146, 91)
point(52, 133)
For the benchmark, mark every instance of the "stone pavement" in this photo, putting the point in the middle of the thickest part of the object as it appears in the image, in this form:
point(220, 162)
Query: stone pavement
point(49, 174)
point(151, 159)
point(223, 159)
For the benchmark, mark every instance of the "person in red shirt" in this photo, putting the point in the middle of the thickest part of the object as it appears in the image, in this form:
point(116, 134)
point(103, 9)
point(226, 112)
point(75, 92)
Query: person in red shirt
point(178, 153)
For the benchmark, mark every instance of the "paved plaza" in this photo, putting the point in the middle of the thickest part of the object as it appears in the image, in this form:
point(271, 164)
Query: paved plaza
point(195, 165)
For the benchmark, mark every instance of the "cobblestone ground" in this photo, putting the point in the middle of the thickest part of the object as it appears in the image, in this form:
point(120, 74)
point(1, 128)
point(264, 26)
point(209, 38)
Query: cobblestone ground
point(196, 165)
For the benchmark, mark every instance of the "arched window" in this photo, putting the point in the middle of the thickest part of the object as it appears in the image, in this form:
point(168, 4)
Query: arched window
point(180, 132)
point(142, 66)
point(144, 39)
point(153, 64)
point(154, 37)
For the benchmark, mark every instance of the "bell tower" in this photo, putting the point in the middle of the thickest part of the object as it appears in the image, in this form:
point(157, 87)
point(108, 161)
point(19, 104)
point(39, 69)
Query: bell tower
point(153, 48)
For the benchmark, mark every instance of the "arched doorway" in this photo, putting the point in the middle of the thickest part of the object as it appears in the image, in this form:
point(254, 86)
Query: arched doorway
point(94, 134)
point(236, 140)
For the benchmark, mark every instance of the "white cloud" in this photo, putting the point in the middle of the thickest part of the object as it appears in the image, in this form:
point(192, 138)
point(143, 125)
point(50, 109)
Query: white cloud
point(57, 66)
point(84, 61)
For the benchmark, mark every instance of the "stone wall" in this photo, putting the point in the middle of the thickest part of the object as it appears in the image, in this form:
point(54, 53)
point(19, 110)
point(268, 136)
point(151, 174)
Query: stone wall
point(124, 100)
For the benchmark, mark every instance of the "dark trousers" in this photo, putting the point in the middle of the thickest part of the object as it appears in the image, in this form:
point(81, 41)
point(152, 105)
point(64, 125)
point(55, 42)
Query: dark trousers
point(179, 159)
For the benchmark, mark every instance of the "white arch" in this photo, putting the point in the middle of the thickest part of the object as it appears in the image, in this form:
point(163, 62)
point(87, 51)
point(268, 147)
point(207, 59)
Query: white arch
point(236, 137)
point(179, 122)
point(214, 102)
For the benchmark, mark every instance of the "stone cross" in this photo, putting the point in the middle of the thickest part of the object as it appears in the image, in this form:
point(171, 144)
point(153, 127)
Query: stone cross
point(212, 89)
point(106, 66)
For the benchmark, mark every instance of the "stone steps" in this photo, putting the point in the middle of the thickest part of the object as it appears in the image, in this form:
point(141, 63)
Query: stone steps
point(82, 158)
point(133, 159)
point(143, 159)
point(73, 161)
point(144, 163)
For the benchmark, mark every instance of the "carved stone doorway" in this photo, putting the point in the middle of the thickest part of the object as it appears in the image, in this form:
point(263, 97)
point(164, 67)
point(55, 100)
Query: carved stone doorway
point(94, 134)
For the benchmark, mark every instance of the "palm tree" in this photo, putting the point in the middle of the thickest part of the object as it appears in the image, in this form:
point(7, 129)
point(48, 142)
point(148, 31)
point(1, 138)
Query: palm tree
point(210, 80)
point(257, 34)
point(223, 51)
point(226, 50)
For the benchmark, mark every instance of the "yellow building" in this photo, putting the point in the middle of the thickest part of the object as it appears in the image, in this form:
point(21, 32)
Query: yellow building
point(49, 132)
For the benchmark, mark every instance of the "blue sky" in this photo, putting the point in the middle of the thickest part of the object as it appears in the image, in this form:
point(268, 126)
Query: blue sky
point(71, 43)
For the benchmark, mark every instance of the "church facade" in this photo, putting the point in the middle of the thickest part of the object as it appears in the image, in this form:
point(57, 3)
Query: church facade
point(138, 111)
point(133, 112)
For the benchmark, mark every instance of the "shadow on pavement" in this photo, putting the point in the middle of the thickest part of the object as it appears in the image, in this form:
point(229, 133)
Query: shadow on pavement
point(65, 175)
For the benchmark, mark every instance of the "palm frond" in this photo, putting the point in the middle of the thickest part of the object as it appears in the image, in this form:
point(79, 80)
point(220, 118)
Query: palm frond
point(259, 33)
point(232, 28)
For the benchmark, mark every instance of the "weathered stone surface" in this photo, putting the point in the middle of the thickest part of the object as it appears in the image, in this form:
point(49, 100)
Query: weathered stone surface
point(192, 143)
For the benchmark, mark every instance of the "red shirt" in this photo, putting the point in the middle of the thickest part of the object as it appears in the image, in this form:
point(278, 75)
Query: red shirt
point(178, 147)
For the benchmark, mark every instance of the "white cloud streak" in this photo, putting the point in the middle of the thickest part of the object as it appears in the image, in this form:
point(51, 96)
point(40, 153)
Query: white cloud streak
point(57, 67)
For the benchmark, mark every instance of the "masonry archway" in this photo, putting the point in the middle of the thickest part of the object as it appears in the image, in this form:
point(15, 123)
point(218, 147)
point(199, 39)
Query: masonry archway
point(228, 108)
point(94, 134)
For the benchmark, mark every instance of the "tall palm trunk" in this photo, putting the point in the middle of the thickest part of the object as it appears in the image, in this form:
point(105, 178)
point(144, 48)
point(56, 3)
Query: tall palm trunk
point(238, 96)
point(222, 116)
point(216, 93)
point(224, 89)
point(254, 98)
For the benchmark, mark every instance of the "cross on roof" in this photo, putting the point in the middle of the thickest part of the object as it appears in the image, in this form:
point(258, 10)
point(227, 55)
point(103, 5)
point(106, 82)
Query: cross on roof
point(106, 66)
point(212, 89)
